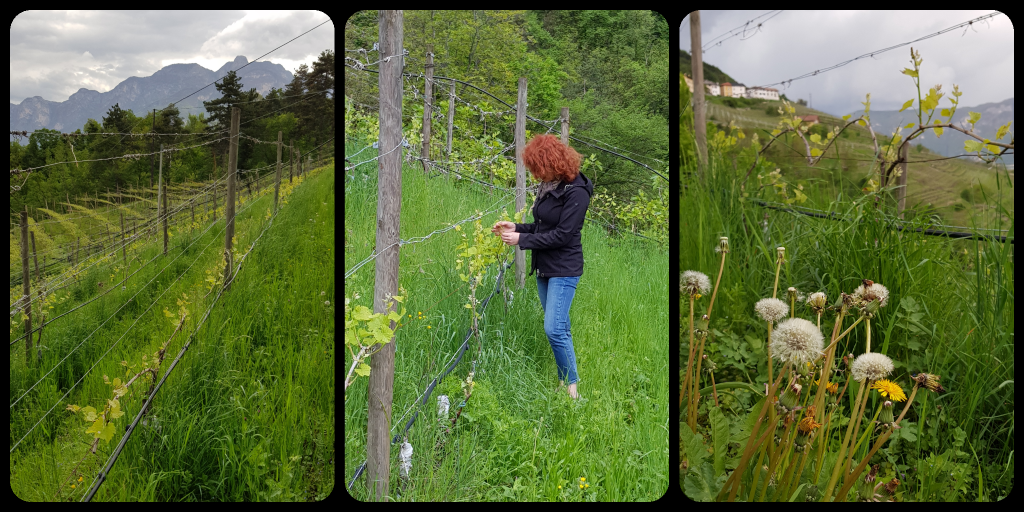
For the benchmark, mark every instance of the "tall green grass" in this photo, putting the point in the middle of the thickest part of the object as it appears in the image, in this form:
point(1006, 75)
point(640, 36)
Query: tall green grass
point(518, 439)
point(248, 412)
point(950, 313)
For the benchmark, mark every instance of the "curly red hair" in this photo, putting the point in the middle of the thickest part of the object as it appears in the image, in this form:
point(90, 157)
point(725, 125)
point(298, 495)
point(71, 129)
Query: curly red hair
point(550, 160)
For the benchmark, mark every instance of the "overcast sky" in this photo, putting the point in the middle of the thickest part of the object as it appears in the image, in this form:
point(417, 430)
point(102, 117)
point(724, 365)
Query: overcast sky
point(793, 43)
point(55, 53)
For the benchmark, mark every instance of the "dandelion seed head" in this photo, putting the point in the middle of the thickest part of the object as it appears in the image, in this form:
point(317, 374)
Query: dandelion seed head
point(771, 310)
point(692, 282)
point(817, 300)
point(797, 340)
point(870, 291)
point(871, 365)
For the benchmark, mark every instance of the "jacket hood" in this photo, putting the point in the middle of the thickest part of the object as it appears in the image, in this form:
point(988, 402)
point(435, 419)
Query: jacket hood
point(585, 183)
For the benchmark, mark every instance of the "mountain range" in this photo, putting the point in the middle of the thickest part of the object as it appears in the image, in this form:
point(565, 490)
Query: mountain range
point(141, 95)
point(993, 115)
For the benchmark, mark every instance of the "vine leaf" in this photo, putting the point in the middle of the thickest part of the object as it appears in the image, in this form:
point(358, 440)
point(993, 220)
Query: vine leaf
point(89, 413)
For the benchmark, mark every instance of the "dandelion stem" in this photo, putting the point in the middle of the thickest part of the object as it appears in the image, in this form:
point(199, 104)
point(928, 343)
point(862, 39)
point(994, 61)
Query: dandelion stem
point(689, 363)
point(842, 448)
point(841, 336)
point(878, 444)
point(868, 350)
point(748, 450)
point(769, 353)
point(719, 280)
point(696, 383)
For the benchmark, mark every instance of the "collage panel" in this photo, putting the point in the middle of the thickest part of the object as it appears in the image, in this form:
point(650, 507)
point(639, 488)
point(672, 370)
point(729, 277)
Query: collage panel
point(507, 268)
point(845, 250)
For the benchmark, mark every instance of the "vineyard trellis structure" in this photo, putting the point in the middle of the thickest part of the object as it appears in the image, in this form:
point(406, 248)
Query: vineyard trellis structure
point(390, 146)
point(121, 241)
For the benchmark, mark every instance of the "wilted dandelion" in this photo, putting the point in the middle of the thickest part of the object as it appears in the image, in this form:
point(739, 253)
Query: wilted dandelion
point(692, 282)
point(771, 310)
point(872, 365)
point(797, 341)
point(870, 296)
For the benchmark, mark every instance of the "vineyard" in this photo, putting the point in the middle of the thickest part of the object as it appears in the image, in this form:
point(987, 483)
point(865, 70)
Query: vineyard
point(472, 409)
point(172, 301)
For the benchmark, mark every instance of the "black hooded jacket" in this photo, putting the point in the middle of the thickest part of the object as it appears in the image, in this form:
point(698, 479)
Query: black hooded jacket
point(554, 236)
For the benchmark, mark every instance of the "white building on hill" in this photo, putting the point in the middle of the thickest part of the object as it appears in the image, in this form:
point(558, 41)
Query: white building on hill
point(739, 90)
point(765, 93)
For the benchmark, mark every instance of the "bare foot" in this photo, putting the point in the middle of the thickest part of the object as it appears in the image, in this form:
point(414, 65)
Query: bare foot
point(572, 391)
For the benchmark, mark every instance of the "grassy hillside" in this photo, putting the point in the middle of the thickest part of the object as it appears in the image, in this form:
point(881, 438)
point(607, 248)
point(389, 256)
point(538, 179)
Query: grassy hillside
point(248, 412)
point(518, 438)
point(960, 191)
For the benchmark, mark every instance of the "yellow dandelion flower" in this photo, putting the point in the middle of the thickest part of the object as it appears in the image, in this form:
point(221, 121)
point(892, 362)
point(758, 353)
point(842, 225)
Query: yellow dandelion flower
point(588, 485)
point(583, 479)
point(72, 486)
point(581, 486)
point(890, 390)
point(559, 486)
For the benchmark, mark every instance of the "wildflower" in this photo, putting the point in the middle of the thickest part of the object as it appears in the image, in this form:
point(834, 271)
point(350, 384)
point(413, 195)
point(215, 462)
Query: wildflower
point(771, 310)
point(79, 479)
point(327, 303)
point(870, 296)
point(72, 486)
point(817, 301)
point(581, 486)
point(789, 399)
point(796, 340)
point(692, 282)
point(781, 252)
point(885, 418)
point(890, 487)
point(871, 365)
point(559, 486)
point(723, 245)
point(586, 485)
point(323, 293)
point(929, 381)
point(890, 390)
point(804, 430)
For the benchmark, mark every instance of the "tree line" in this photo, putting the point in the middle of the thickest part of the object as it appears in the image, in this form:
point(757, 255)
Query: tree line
point(303, 111)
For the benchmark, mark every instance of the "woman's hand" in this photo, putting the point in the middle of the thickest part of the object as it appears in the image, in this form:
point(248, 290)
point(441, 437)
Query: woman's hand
point(510, 237)
point(503, 226)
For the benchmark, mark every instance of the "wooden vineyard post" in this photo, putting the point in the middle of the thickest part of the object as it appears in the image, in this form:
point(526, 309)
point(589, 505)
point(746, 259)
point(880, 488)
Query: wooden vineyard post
point(901, 201)
point(565, 125)
point(428, 100)
point(229, 204)
point(451, 116)
point(697, 70)
point(161, 199)
point(124, 246)
point(291, 163)
point(35, 257)
point(389, 200)
point(26, 289)
point(277, 182)
point(520, 138)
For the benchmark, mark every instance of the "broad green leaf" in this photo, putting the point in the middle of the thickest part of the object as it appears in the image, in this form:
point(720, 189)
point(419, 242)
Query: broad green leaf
point(938, 132)
point(847, 116)
point(909, 72)
point(115, 409)
point(362, 313)
point(815, 138)
point(399, 298)
point(974, 117)
point(120, 391)
point(945, 112)
point(971, 146)
point(1003, 130)
point(394, 316)
point(776, 131)
point(693, 444)
point(992, 148)
point(73, 408)
point(909, 125)
point(117, 381)
point(95, 428)
point(907, 105)
point(719, 438)
point(89, 413)
point(107, 433)
point(363, 370)
point(815, 152)
point(861, 122)
point(702, 485)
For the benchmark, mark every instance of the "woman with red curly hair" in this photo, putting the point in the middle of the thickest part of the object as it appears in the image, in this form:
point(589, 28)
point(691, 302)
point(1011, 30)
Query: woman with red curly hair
point(554, 237)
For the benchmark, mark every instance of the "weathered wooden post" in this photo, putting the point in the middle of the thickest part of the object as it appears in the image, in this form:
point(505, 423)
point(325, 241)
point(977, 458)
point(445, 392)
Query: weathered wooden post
point(389, 200)
point(565, 125)
point(229, 204)
point(428, 106)
point(520, 139)
point(26, 289)
point(277, 182)
point(902, 180)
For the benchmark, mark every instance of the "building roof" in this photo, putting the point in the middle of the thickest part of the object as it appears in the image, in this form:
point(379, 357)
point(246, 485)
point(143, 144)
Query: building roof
point(810, 118)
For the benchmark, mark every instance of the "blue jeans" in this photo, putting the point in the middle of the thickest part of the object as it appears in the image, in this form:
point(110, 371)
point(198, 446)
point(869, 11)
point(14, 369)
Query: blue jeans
point(556, 295)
